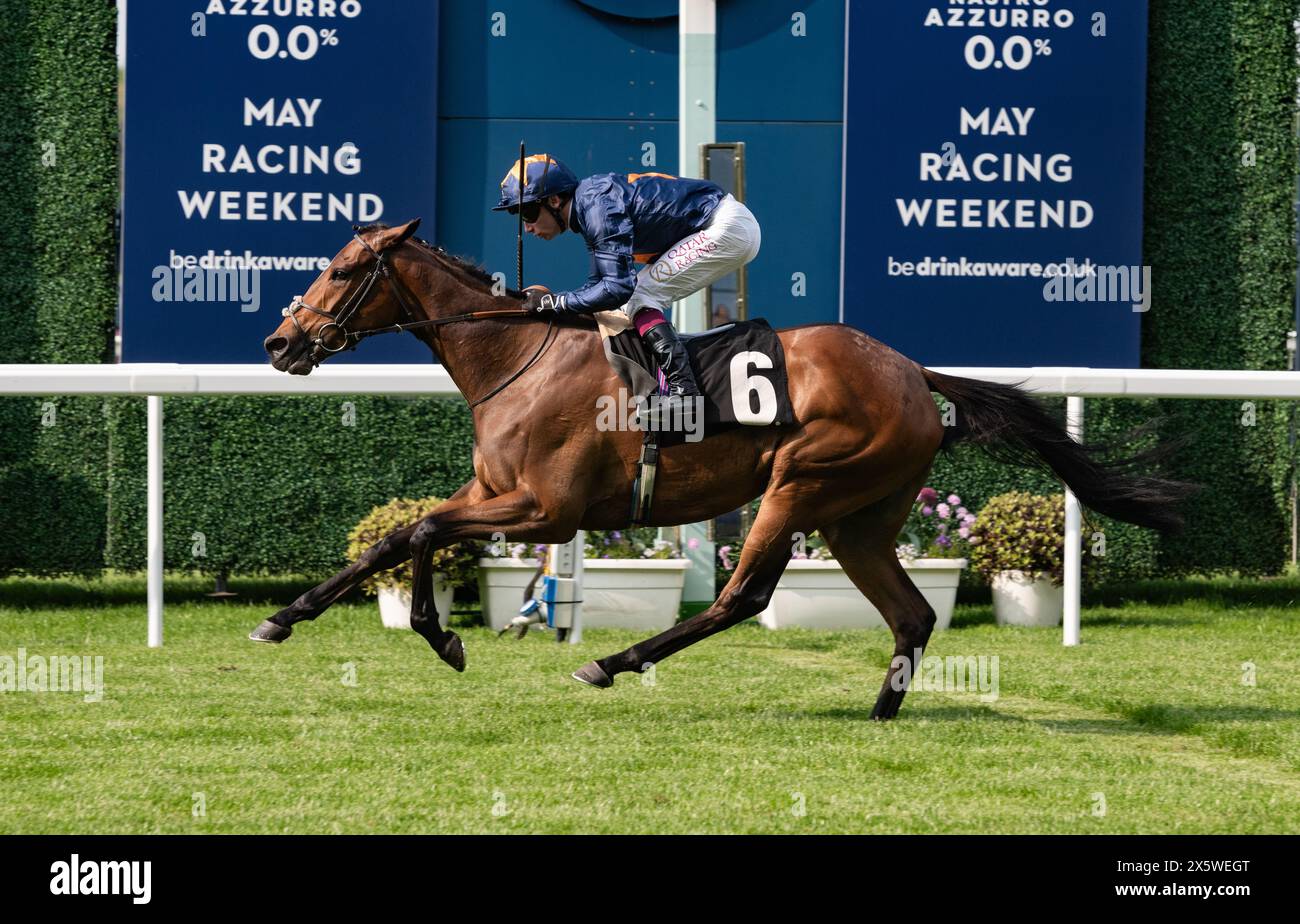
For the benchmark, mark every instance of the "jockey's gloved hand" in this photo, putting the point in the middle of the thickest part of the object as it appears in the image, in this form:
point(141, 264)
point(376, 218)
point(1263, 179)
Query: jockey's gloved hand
point(544, 303)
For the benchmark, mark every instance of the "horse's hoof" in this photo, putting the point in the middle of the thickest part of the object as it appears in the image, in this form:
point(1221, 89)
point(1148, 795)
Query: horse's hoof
point(452, 650)
point(593, 675)
point(270, 632)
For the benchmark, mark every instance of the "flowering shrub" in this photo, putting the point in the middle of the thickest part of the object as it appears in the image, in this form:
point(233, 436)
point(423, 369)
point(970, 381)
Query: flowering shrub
point(515, 551)
point(459, 562)
point(814, 549)
point(727, 557)
point(937, 527)
point(640, 542)
point(1020, 531)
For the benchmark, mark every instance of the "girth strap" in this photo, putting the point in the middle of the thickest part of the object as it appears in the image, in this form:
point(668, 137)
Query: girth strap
point(643, 488)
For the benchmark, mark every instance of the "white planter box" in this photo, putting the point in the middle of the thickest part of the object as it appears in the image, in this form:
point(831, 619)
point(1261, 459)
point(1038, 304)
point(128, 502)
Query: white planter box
point(642, 594)
point(395, 604)
point(1021, 599)
point(815, 594)
point(501, 583)
point(629, 593)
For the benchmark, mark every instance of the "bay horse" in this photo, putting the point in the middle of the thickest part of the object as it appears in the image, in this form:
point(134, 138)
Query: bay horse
point(865, 434)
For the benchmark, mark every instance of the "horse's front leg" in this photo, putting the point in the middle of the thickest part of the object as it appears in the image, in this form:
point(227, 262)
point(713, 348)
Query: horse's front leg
point(388, 552)
point(517, 514)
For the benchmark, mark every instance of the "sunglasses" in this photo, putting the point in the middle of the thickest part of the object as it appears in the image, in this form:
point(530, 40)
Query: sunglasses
point(531, 210)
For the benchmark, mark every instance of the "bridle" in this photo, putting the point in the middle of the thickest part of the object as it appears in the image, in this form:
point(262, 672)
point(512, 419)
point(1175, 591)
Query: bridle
point(348, 340)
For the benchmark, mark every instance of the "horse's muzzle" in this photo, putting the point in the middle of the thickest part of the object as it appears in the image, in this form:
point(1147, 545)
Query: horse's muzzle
point(288, 355)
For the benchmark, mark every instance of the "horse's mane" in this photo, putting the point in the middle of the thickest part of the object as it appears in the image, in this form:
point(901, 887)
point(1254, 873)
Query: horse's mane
point(472, 268)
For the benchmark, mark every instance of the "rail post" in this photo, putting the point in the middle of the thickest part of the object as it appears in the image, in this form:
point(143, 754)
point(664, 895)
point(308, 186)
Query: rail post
point(155, 519)
point(1073, 535)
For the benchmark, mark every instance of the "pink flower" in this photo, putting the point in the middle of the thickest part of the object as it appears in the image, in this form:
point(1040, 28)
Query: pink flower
point(692, 543)
point(944, 511)
point(964, 532)
point(928, 496)
point(954, 499)
point(962, 512)
point(926, 511)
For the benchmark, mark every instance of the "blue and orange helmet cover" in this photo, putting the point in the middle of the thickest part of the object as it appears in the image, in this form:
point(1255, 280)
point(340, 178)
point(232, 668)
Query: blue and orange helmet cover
point(544, 176)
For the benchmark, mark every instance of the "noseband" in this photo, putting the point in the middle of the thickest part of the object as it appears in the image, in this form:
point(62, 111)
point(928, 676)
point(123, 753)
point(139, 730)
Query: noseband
point(337, 320)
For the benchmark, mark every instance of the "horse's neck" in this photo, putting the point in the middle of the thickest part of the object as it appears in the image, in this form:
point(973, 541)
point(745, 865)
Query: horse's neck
point(479, 355)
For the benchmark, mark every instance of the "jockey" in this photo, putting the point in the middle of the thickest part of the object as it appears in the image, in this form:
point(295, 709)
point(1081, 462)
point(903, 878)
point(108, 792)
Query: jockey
point(687, 233)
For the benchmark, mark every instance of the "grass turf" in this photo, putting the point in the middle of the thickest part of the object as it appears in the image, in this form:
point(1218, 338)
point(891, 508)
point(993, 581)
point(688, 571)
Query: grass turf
point(750, 731)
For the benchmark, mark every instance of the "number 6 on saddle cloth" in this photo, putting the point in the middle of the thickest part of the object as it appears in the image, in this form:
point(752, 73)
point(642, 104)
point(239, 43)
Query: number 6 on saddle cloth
point(740, 368)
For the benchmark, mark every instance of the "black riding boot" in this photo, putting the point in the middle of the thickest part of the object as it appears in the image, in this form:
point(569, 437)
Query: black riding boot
point(671, 356)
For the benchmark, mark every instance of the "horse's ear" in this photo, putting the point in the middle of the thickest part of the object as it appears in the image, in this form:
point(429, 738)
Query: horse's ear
point(391, 237)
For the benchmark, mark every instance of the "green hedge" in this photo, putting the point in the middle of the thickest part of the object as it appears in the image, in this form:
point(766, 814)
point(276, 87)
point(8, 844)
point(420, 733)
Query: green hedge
point(53, 485)
point(1220, 240)
point(275, 483)
point(58, 291)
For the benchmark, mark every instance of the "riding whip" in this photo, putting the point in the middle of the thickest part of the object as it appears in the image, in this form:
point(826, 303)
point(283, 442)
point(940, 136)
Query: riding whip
point(519, 243)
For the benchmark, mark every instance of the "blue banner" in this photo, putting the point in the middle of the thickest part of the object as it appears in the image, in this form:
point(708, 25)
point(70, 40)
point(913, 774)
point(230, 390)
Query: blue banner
point(257, 133)
point(993, 162)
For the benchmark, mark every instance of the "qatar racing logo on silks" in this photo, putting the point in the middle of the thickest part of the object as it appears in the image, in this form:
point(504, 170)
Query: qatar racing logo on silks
point(683, 255)
point(660, 271)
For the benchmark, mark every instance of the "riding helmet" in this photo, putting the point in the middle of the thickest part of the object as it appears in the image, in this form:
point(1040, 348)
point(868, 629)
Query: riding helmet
point(546, 176)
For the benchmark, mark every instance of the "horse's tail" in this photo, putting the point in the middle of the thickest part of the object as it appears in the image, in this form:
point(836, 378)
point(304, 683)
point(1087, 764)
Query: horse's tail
point(1012, 427)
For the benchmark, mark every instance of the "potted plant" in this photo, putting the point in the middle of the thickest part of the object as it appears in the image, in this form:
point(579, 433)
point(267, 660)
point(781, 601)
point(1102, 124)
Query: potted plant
point(452, 566)
point(814, 592)
point(1018, 544)
point(630, 580)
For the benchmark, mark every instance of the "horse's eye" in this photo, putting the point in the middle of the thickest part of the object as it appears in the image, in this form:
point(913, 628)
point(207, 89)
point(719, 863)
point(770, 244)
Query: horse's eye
point(339, 274)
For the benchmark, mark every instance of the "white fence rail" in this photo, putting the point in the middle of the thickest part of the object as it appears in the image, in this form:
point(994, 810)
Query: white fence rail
point(1139, 383)
point(155, 380)
point(233, 379)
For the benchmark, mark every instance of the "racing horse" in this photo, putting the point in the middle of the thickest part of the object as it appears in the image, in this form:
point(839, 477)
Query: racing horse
point(865, 434)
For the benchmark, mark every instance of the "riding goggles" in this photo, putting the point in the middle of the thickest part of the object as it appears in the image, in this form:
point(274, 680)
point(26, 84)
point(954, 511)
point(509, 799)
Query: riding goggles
point(532, 210)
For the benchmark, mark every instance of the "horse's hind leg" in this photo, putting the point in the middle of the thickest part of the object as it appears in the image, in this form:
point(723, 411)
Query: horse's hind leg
point(863, 544)
point(762, 561)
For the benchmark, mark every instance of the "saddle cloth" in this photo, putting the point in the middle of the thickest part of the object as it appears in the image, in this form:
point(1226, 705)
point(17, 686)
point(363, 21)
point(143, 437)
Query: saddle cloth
point(740, 368)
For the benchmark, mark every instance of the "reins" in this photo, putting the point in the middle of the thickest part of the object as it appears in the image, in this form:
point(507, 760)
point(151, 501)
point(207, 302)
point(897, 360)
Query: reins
point(350, 339)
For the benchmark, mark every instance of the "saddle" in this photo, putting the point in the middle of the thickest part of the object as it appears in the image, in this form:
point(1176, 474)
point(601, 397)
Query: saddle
point(740, 368)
